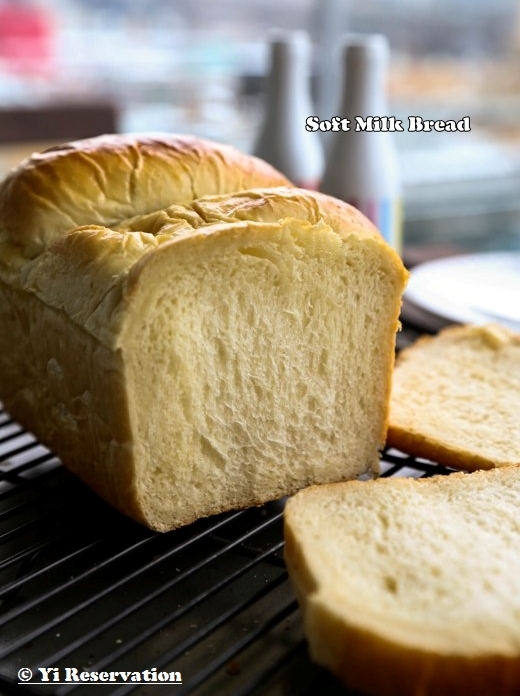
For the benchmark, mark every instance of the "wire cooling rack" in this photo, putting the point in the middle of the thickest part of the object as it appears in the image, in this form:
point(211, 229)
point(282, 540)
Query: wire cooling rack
point(83, 588)
point(206, 610)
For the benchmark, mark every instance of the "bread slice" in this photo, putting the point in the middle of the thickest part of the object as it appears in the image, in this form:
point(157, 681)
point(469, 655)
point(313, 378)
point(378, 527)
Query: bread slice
point(456, 398)
point(411, 586)
point(204, 355)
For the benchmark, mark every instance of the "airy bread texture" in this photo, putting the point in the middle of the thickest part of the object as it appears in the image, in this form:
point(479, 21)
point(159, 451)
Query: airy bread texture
point(411, 587)
point(456, 398)
point(185, 353)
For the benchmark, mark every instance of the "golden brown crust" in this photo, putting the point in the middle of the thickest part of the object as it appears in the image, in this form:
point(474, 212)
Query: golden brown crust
point(103, 180)
point(394, 671)
point(416, 444)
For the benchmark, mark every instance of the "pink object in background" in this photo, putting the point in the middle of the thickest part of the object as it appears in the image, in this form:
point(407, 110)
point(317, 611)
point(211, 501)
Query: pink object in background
point(26, 38)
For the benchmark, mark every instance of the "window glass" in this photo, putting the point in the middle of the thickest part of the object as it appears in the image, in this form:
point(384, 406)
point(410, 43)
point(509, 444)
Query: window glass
point(197, 66)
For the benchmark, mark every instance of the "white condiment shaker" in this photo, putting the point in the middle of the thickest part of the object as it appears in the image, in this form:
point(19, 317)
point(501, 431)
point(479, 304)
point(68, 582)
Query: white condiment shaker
point(362, 164)
point(283, 140)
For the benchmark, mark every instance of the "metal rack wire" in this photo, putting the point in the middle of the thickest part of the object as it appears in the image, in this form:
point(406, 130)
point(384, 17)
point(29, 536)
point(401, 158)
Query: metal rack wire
point(82, 587)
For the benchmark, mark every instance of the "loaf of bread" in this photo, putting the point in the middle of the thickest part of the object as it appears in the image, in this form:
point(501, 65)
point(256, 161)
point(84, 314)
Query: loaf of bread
point(456, 398)
point(411, 587)
point(186, 331)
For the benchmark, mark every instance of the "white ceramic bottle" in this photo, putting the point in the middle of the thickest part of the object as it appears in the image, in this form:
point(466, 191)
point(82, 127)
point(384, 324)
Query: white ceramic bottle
point(362, 163)
point(283, 140)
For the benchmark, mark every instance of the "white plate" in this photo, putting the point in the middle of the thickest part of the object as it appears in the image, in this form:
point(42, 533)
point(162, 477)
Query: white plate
point(470, 289)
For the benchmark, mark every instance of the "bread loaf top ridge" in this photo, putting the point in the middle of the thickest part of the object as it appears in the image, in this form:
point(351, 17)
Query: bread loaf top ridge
point(106, 179)
point(80, 224)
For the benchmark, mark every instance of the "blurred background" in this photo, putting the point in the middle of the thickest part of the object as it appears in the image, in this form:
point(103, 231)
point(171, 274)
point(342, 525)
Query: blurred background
point(72, 67)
